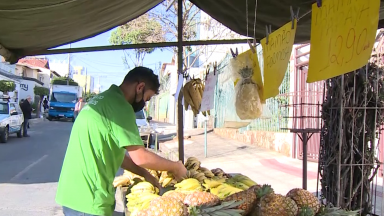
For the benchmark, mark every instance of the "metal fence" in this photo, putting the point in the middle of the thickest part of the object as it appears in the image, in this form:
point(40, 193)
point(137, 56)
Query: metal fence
point(225, 102)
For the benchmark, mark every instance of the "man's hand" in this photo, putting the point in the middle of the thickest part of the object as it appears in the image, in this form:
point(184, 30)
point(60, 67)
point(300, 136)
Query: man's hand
point(149, 178)
point(180, 171)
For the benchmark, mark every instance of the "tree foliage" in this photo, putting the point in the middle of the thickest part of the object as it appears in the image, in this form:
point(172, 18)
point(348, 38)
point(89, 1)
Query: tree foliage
point(7, 86)
point(88, 96)
point(192, 23)
point(144, 29)
point(63, 81)
point(41, 91)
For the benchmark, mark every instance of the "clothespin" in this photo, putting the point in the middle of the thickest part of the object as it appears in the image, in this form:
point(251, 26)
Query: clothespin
point(215, 66)
point(251, 46)
point(268, 31)
point(234, 54)
point(319, 3)
point(294, 16)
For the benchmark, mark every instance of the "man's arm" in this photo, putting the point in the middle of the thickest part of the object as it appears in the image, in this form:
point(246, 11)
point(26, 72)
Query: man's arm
point(146, 159)
point(129, 165)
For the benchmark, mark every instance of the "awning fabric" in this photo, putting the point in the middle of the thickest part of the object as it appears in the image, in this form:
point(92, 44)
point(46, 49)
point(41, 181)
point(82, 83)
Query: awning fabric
point(232, 13)
point(28, 27)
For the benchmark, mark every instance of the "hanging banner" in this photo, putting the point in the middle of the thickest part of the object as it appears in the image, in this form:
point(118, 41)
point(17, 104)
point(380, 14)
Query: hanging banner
point(242, 60)
point(276, 55)
point(207, 102)
point(342, 37)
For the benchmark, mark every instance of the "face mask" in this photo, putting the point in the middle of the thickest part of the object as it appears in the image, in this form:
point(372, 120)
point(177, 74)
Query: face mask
point(137, 106)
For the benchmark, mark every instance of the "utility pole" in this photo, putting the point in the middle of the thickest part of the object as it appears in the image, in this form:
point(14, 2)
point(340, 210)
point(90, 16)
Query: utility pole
point(69, 65)
point(86, 80)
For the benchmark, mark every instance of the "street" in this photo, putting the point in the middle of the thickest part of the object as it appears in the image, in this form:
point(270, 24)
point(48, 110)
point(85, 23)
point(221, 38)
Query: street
point(30, 168)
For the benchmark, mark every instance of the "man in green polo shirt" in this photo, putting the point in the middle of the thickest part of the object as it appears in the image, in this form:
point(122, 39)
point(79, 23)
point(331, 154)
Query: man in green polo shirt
point(101, 135)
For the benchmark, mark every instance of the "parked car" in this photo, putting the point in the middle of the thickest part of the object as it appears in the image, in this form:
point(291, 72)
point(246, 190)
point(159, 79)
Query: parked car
point(11, 120)
point(142, 122)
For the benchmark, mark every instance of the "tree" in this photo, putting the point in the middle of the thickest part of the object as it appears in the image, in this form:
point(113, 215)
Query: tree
point(88, 96)
point(143, 29)
point(63, 81)
point(7, 86)
point(40, 91)
point(192, 22)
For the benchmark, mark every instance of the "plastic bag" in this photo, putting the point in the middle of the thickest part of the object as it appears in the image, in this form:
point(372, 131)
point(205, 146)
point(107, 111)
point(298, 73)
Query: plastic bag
point(248, 103)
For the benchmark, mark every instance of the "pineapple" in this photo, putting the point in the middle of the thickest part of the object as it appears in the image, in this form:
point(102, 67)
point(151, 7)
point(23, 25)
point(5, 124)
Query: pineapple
point(304, 198)
point(199, 198)
point(279, 205)
point(165, 206)
point(249, 197)
point(175, 194)
point(225, 208)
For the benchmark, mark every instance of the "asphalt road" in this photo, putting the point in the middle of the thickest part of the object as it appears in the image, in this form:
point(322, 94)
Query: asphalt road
point(30, 168)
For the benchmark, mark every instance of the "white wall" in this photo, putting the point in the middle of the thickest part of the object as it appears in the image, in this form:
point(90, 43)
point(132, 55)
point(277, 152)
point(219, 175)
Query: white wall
point(26, 88)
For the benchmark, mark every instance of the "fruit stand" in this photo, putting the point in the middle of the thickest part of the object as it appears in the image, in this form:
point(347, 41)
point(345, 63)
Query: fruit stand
point(213, 192)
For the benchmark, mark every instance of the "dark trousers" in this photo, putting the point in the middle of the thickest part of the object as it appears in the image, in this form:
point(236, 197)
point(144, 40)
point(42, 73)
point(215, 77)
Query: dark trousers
point(25, 125)
point(71, 212)
point(75, 114)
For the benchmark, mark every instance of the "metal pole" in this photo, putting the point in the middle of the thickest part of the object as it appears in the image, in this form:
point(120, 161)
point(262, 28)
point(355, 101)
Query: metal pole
point(180, 123)
point(305, 159)
point(205, 141)
point(69, 67)
point(86, 81)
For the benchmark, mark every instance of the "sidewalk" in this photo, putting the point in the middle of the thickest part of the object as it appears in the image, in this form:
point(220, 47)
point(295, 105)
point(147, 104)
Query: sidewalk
point(263, 166)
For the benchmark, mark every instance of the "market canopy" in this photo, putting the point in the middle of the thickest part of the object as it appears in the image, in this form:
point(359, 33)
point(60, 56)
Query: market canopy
point(33, 26)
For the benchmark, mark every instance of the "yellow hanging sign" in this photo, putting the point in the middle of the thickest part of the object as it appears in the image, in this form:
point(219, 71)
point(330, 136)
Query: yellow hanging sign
point(257, 78)
point(342, 37)
point(276, 55)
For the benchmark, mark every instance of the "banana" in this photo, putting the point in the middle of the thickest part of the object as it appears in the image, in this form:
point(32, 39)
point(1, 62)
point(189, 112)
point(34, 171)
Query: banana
point(187, 96)
point(208, 112)
point(143, 187)
point(121, 181)
point(209, 183)
point(244, 179)
point(189, 185)
point(167, 182)
point(189, 161)
point(206, 172)
point(196, 98)
point(199, 176)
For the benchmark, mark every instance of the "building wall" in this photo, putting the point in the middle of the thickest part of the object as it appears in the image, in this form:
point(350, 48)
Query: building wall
point(26, 88)
point(86, 82)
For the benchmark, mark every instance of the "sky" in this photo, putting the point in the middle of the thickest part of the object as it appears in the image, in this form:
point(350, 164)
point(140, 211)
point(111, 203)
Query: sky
point(107, 66)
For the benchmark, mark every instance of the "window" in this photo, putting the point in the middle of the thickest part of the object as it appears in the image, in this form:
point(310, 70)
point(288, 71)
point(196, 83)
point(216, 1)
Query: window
point(140, 115)
point(4, 109)
point(12, 108)
point(63, 97)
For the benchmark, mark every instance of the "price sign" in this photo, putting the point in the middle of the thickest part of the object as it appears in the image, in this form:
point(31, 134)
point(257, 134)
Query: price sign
point(276, 56)
point(342, 36)
point(207, 102)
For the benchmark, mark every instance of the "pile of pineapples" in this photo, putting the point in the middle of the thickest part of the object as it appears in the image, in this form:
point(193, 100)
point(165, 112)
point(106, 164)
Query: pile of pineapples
point(213, 193)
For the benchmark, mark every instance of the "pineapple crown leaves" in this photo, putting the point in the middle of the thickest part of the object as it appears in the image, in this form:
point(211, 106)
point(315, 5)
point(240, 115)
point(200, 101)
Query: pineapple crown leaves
point(264, 191)
point(306, 211)
point(334, 211)
point(223, 207)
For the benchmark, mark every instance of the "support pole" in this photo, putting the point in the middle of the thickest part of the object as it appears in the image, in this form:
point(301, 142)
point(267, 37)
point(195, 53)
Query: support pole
point(205, 138)
point(305, 159)
point(180, 118)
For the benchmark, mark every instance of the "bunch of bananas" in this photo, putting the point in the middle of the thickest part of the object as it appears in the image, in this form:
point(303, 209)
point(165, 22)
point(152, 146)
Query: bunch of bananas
point(213, 182)
point(189, 184)
point(121, 181)
point(193, 93)
point(166, 179)
point(192, 163)
point(241, 181)
point(224, 190)
point(140, 196)
point(220, 173)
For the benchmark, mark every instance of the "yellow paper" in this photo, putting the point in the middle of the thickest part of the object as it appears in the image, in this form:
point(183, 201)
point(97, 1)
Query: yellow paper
point(342, 37)
point(257, 78)
point(276, 56)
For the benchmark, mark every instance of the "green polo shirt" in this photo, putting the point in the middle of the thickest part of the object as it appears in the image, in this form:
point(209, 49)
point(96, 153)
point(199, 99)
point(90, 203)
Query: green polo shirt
point(95, 152)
